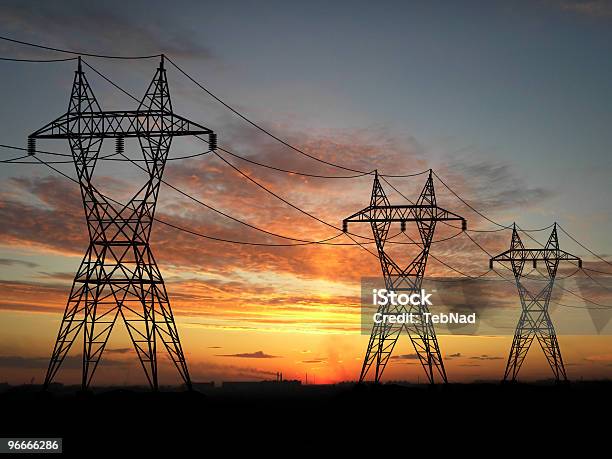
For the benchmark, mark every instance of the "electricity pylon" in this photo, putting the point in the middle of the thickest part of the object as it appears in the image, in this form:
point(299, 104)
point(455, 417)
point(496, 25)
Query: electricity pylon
point(119, 275)
point(380, 214)
point(535, 321)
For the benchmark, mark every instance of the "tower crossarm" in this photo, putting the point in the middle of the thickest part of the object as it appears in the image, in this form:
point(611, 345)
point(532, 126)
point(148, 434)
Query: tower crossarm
point(112, 124)
point(535, 255)
point(402, 214)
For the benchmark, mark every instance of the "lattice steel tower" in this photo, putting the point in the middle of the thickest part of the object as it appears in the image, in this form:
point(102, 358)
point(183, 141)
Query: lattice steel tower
point(535, 321)
point(119, 275)
point(380, 214)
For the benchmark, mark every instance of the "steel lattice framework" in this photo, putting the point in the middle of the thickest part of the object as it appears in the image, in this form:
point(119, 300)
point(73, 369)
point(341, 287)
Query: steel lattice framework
point(534, 321)
point(119, 275)
point(380, 214)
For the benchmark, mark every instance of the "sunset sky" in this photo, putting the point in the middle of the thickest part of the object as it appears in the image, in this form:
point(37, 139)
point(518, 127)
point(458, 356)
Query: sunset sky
point(509, 102)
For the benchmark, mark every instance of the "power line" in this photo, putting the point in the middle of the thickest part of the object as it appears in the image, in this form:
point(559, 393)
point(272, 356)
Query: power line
point(12, 147)
point(187, 195)
point(267, 190)
point(131, 96)
point(542, 245)
point(527, 233)
point(290, 204)
point(595, 281)
point(278, 169)
point(214, 238)
point(584, 299)
point(361, 173)
point(17, 160)
point(468, 205)
point(43, 61)
point(292, 172)
point(301, 241)
point(127, 93)
point(257, 126)
point(109, 157)
point(77, 53)
point(111, 82)
point(527, 276)
point(278, 139)
point(483, 215)
point(446, 223)
point(556, 302)
point(191, 197)
point(471, 239)
point(542, 279)
point(583, 246)
point(14, 160)
point(278, 197)
point(597, 271)
point(561, 287)
point(196, 233)
point(293, 206)
point(134, 161)
point(577, 307)
point(118, 87)
point(478, 276)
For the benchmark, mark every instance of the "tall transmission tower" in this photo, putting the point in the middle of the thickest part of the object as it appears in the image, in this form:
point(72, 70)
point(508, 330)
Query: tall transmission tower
point(535, 321)
point(380, 214)
point(119, 275)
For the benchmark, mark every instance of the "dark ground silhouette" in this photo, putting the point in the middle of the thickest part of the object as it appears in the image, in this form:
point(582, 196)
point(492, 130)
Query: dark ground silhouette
point(258, 417)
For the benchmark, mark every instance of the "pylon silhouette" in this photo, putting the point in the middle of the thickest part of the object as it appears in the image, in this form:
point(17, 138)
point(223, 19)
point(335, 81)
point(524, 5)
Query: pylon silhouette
point(119, 275)
point(534, 321)
point(380, 214)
